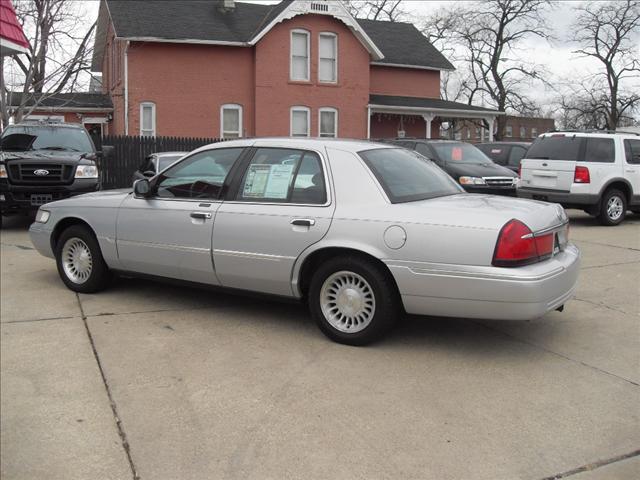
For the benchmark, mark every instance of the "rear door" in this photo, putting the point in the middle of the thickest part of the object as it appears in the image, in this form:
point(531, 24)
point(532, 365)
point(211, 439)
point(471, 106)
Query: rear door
point(550, 162)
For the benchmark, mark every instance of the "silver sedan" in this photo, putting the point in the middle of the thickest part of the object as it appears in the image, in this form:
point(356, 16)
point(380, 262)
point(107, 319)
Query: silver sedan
point(360, 231)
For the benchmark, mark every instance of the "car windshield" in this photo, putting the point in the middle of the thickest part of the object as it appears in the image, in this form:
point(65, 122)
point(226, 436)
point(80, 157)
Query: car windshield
point(555, 147)
point(407, 176)
point(42, 137)
point(167, 160)
point(450, 152)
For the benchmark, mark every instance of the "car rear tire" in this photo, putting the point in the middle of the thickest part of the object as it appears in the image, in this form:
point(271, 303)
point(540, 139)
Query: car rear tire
point(613, 208)
point(353, 300)
point(79, 261)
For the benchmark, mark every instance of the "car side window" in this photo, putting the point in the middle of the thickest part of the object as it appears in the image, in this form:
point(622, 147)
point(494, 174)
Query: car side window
point(599, 150)
point(277, 175)
point(632, 151)
point(516, 155)
point(198, 176)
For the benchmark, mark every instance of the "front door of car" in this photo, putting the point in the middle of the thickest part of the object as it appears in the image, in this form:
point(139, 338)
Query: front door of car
point(632, 166)
point(169, 233)
point(278, 206)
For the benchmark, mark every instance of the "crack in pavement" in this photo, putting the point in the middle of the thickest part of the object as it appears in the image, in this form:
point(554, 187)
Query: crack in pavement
point(596, 304)
point(22, 247)
point(114, 410)
point(610, 265)
point(38, 320)
point(606, 245)
point(561, 355)
point(592, 466)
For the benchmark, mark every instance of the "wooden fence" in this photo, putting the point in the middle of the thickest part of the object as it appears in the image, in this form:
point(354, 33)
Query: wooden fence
point(117, 167)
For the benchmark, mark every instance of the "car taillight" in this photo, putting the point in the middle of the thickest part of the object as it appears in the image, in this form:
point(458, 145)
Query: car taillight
point(581, 175)
point(518, 246)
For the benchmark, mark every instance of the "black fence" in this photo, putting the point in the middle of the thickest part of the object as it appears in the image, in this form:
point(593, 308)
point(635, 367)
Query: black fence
point(128, 152)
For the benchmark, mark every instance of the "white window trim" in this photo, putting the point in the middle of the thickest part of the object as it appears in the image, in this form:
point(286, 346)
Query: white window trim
point(231, 106)
point(335, 65)
point(299, 108)
point(153, 117)
point(335, 112)
point(308, 34)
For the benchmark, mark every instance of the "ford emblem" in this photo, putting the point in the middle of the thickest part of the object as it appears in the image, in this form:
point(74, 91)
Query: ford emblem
point(41, 172)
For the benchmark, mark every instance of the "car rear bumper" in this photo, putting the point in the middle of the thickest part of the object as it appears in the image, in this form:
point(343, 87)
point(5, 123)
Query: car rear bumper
point(522, 293)
point(557, 196)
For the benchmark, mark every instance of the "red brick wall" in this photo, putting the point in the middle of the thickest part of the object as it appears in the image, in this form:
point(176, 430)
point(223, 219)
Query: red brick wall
point(188, 84)
point(406, 82)
point(275, 94)
point(113, 80)
point(387, 126)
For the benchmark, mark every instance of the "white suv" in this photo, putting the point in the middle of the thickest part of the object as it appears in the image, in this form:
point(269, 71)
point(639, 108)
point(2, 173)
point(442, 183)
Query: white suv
point(598, 172)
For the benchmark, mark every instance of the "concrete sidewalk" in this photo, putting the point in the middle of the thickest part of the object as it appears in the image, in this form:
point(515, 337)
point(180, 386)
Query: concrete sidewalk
point(159, 382)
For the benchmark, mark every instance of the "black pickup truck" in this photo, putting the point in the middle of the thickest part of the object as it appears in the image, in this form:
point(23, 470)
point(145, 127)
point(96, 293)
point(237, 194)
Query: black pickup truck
point(43, 162)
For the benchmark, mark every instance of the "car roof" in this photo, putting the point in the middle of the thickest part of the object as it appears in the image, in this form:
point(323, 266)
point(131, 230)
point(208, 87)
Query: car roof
point(350, 145)
point(161, 154)
point(522, 144)
point(591, 133)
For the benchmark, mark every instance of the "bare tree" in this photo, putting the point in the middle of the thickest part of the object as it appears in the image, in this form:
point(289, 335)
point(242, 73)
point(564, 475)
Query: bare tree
point(390, 10)
point(608, 32)
point(488, 37)
point(59, 51)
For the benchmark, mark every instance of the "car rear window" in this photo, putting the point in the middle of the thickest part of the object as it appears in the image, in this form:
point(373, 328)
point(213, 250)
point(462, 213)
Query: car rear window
point(497, 153)
point(555, 147)
point(406, 176)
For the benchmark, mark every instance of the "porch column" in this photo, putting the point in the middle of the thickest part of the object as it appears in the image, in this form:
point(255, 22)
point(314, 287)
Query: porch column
point(428, 118)
point(368, 122)
point(490, 121)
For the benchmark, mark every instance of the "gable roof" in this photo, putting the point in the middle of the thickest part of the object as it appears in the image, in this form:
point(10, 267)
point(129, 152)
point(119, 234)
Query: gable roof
point(64, 101)
point(12, 39)
point(203, 21)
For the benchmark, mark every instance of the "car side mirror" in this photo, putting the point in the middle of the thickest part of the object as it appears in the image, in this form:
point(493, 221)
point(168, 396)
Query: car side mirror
point(142, 188)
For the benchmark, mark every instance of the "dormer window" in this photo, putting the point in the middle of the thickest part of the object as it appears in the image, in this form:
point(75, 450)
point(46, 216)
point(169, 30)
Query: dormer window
point(328, 58)
point(299, 56)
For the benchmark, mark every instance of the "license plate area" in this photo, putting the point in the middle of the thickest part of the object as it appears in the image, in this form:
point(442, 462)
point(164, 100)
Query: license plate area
point(38, 199)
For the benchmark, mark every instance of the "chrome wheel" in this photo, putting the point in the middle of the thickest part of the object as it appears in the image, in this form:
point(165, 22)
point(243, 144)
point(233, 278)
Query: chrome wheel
point(615, 208)
point(347, 302)
point(76, 260)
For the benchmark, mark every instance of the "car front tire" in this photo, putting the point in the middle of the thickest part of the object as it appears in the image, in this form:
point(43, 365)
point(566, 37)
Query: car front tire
point(613, 208)
point(353, 300)
point(79, 261)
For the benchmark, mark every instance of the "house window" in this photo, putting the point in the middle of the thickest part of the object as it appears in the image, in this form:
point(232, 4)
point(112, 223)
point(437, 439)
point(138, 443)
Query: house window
point(299, 55)
point(508, 131)
point(523, 132)
point(148, 119)
point(231, 121)
point(300, 121)
point(328, 122)
point(328, 58)
point(534, 133)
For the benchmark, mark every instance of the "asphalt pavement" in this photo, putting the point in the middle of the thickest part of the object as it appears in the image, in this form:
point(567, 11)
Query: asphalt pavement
point(153, 381)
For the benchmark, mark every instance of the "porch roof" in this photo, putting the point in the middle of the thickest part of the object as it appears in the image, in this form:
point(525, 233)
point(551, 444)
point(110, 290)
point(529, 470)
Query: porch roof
point(428, 106)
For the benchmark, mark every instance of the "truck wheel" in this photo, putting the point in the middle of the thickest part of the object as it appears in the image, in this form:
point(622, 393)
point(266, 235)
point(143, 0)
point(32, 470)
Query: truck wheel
point(353, 300)
point(79, 260)
point(613, 207)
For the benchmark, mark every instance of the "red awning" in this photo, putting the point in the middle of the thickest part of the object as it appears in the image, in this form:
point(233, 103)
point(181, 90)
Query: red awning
point(12, 38)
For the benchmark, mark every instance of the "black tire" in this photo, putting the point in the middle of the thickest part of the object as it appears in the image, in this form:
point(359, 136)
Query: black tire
point(605, 217)
point(99, 275)
point(383, 289)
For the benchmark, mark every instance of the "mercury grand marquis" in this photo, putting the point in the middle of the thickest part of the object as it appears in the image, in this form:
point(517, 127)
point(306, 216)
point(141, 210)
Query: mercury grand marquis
point(360, 231)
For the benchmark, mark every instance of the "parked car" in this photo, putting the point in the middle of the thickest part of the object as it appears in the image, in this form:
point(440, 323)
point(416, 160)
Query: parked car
point(155, 163)
point(361, 231)
point(41, 162)
point(507, 154)
point(467, 165)
point(598, 172)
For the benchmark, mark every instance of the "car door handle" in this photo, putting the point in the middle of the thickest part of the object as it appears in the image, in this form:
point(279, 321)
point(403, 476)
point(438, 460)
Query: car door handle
point(303, 222)
point(202, 215)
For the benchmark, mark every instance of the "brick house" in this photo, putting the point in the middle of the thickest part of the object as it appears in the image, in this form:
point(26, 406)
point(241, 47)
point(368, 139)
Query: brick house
point(517, 129)
point(302, 68)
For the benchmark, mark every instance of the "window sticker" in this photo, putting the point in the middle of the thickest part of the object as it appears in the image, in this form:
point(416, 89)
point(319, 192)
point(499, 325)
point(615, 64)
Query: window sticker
point(456, 154)
point(268, 181)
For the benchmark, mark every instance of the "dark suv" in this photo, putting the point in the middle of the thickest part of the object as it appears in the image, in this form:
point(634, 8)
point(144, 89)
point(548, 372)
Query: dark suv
point(467, 165)
point(43, 162)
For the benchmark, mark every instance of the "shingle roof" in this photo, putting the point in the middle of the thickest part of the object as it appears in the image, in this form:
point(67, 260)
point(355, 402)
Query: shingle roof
point(403, 44)
point(203, 20)
point(420, 102)
point(11, 29)
point(63, 100)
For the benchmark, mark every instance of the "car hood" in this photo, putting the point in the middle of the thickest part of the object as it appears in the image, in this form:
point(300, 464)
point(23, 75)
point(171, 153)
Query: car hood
point(104, 198)
point(477, 170)
point(39, 156)
point(479, 211)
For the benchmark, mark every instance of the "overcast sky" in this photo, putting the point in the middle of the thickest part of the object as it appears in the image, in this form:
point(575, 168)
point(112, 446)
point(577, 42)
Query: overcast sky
point(555, 54)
